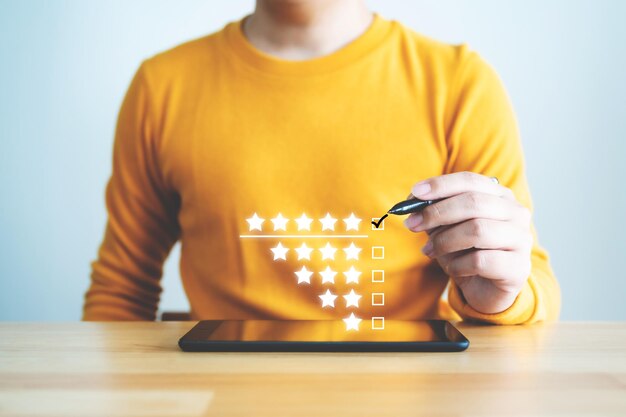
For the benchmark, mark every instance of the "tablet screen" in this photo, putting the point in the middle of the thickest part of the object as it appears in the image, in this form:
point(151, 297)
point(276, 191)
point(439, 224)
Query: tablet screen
point(322, 331)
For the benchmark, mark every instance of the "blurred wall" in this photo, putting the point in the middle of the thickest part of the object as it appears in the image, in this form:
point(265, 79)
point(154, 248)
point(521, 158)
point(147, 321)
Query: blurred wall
point(65, 65)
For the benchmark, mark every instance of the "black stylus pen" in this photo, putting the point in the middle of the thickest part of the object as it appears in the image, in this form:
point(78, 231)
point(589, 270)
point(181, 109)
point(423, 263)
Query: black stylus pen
point(412, 205)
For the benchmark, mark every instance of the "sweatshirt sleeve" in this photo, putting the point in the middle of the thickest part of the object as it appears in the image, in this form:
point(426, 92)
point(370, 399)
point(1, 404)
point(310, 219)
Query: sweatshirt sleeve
point(482, 136)
point(142, 222)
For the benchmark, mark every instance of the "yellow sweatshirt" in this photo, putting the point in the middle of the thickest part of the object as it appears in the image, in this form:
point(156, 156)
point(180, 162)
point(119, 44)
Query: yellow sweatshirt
point(214, 131)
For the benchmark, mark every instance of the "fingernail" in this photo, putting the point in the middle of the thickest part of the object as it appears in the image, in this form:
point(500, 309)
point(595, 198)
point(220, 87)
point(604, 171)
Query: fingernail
point(421, 188)
point(428, 248)
point(414, 220)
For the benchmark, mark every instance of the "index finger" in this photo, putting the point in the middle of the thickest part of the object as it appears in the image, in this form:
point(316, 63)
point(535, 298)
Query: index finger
point(449, 185)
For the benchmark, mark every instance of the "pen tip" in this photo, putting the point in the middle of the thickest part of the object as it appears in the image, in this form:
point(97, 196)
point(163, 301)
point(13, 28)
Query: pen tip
point(393, 210)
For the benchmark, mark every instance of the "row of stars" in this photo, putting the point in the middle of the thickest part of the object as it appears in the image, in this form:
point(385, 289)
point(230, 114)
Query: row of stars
point(328, 299)
point(304, 252)
point(328, 275)
point(304, 223)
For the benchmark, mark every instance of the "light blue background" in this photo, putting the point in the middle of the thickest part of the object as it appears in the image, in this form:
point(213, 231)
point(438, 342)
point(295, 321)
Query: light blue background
point(65, 65)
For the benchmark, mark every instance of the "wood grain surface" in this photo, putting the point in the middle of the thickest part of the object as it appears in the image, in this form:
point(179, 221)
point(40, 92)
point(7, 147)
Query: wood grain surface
point(136, 369)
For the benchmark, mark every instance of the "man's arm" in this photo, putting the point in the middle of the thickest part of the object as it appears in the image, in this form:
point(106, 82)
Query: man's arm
point(142, 225)
point(481, 233)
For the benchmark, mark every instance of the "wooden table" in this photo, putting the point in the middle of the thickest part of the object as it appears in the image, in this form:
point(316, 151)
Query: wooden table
point(136, 369)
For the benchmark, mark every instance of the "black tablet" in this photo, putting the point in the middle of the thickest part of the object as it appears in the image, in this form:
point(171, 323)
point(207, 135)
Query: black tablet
point(322, 336)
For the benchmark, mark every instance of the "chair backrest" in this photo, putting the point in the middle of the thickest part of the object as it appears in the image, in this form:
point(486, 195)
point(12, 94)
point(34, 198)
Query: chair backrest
point(175, 316)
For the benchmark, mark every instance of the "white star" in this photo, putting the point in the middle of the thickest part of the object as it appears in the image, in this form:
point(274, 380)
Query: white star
point(328, 299)
point(328, 252)
point(352, 252)
point(280, 223)
point(304, 252)
point(280, 252)
point(304, 275)
point(352, 222)
point(255, 222)
point(352, 299)
point(352, 275)
point(304, 223)
point(328, 222)
point(328, 275)
point(352, 322)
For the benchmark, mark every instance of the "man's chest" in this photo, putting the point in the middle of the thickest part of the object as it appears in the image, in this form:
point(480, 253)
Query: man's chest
point(298, 147)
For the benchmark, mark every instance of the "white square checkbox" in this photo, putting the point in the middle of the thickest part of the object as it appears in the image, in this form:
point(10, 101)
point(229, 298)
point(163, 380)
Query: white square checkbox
point(378, 252)
point(378, 298)
point(378, 275)
point(381, 226)
point(378, 323)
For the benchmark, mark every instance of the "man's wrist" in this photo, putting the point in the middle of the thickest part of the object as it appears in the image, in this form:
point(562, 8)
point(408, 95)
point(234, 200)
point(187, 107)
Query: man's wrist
point(484, 297)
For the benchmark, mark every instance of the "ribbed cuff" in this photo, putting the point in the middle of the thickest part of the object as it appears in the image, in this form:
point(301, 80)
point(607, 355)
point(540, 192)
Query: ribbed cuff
point(519, 312)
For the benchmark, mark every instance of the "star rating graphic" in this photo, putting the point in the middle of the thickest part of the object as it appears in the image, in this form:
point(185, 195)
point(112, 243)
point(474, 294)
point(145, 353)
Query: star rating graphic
point(352, 252)
point(328, 222)
point(328, 252)
point(328, 299)
point(352, 276)
point(352, 222)
point(255, 222)
point(280, 252)
point(328, 275)
point(352, 322)
point(304, 223)
point(324, 246)
point(352, 299)
point(304, 275)
point(304, 252)
point(280, 223)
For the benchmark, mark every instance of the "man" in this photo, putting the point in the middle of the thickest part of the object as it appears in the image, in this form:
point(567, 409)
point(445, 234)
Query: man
point(320, 110)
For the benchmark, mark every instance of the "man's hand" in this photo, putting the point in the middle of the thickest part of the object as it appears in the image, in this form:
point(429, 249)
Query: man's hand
point(479, 234)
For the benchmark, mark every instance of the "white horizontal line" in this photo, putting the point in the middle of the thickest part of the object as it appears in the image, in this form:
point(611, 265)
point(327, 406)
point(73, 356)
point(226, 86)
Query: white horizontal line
point(304, 236)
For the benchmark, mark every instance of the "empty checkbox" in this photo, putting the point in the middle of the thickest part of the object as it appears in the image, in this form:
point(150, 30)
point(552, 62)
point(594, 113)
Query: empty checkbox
point(378, 298)
point(378, 323)
point(378, 252)
point(378, 276)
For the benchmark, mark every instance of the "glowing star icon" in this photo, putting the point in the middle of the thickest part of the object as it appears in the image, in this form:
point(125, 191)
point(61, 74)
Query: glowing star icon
point(255, 222)
point(280, 223)
point(328, 252)
point(328, 299)
point(352, 299)
point(304, 275)
point(304, 223)
point(352, 252)
point(304, 252)
point(328, 222)
point(352, 222)
point(280, 252)
point(352, 275)
point(328, 275)
point(352, 322)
